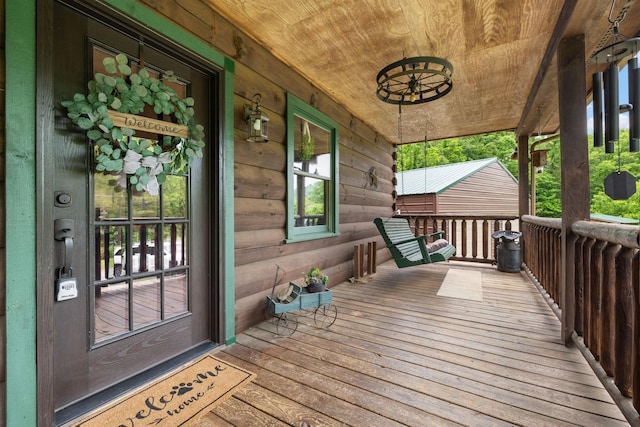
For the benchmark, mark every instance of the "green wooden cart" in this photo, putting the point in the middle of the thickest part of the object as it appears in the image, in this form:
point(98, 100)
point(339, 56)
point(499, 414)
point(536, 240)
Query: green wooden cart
point(299, 300)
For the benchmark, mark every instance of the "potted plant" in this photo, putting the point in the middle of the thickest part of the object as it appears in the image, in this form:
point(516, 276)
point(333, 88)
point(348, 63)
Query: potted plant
point(315, 280)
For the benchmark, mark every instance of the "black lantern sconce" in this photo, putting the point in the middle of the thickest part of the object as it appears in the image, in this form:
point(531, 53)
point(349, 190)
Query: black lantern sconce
point(256, 120)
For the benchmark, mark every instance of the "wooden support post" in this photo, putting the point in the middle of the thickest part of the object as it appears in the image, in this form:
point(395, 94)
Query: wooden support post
point(361, 261)
point(574, 166)
point(372, 261)
point(356, 262)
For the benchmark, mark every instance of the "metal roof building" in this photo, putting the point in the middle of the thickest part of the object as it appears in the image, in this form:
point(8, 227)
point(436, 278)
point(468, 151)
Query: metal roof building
point(474, 187)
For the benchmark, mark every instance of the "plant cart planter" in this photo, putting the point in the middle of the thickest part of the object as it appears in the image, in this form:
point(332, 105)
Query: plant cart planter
point(324, 315)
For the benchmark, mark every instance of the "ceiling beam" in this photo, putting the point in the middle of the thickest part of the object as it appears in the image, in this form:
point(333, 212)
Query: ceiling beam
point(547, 59)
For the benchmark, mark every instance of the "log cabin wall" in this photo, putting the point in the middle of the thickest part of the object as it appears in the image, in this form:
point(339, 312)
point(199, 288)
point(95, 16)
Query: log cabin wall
point(260, 168)
point(3, 412)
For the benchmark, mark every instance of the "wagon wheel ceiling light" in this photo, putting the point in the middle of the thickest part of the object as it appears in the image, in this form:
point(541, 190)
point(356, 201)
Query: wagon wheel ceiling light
point(415, 80)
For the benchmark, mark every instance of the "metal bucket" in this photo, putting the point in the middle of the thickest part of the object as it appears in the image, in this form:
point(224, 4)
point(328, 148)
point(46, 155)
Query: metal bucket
point(508, 251)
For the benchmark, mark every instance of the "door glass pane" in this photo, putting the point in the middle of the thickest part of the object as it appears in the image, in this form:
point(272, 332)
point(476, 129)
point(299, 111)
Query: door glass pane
point(175, 291)
point(145, 205)
point(175, 245)
point(146, 301)
point(110, 196)
point(144, 256)
point(111, 310)
point(109, 240)
point(175, 197)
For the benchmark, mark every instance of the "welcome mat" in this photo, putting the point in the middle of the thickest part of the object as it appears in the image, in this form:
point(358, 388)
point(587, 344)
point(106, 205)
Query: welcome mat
point(176, 400)
point(463, 284)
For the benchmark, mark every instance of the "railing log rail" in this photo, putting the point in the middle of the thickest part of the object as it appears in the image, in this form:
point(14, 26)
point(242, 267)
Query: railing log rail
point(470, 234)
point(607, 287)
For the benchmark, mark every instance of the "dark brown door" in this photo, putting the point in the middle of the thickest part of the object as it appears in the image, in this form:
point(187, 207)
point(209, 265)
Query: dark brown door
point(142, 262)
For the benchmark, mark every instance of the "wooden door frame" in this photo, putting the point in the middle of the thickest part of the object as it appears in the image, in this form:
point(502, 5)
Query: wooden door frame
point(29, 81)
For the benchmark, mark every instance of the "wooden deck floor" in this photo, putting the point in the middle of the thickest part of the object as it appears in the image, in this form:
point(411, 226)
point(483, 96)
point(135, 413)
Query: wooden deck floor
point(400, 355)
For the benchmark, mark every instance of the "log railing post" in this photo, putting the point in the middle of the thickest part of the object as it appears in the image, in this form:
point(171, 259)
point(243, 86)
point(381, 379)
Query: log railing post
point(635, 354)
point(597, 278)
point(579, 284)
point(624, 319)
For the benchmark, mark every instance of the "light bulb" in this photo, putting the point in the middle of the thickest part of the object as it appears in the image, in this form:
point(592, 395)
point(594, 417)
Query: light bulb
point(256, 124)
point(412, 97)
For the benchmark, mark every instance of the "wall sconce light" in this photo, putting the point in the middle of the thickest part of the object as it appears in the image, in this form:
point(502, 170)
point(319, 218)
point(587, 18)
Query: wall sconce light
point(257, 121)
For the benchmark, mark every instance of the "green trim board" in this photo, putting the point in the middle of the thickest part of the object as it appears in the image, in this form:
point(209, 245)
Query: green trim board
point(21, 206)
point(307, 113)
point(20, 225)
point(228, 205)
point(150, 18)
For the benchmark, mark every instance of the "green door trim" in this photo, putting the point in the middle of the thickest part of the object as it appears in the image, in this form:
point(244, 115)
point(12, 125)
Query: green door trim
point(20, 210)
point(21, 203)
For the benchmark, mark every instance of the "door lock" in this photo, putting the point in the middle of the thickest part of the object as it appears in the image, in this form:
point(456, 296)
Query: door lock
point(66, 284)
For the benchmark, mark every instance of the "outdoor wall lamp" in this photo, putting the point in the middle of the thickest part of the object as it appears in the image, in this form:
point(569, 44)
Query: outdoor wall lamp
point(257, 121)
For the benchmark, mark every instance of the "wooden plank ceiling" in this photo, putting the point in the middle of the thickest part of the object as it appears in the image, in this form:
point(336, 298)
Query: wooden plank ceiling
point(502, 51)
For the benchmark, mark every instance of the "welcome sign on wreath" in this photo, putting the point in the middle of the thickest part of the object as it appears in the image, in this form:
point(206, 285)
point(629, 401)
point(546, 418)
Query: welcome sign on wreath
point(109, 114)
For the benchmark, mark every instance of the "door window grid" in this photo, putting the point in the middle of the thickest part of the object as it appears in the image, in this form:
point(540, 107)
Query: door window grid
point(137, 285)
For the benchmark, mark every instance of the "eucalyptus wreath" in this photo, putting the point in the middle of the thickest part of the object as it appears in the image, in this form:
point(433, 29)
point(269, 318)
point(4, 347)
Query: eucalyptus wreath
point(146, 162)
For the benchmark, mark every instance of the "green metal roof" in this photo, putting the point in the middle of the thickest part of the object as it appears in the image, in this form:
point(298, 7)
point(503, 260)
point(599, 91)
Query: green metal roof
point(437, 179)
point(613, 219)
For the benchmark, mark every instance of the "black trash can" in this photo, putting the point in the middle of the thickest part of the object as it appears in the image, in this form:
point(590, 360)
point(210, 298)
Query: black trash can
point(508, 250)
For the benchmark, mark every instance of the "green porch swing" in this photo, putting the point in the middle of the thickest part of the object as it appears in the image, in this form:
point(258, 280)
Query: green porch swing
point(407, 249)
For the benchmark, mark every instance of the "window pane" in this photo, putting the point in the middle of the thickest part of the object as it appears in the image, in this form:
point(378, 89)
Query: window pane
point(311, 148)
point(111, 310)
point(309, 205)
point(146, 301)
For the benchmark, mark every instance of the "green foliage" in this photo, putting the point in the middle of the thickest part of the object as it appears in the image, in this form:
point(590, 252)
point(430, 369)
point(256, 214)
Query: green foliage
point(127, 92)
point(315, 276)
point(548, 183)
point(446, 151)
point(314, 198)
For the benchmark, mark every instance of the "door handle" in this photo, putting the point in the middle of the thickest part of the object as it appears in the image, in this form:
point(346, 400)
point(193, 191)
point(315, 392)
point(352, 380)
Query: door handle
point(63, 232)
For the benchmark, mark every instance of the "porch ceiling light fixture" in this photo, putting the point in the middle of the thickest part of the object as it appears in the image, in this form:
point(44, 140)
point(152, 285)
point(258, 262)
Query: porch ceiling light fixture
point(257, 121)
point(415, 80)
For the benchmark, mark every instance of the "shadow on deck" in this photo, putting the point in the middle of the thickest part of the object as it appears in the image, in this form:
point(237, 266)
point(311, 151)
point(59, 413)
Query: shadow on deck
point(399, 354)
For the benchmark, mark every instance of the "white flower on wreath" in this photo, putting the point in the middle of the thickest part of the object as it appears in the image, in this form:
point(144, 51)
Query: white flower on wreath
point(153, 165)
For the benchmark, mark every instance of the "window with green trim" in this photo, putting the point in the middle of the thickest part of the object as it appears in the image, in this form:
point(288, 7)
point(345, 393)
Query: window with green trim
point(312, 172)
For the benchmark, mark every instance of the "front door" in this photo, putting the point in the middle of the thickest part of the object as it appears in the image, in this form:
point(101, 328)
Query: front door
point(142, 262)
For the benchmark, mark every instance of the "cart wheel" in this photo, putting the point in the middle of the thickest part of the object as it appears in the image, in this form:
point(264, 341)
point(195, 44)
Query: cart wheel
point(269, 310)
point(325, 315)
point(286, 324)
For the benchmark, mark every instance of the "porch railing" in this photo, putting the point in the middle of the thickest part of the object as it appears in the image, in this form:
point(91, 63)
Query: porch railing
point(470, 234)
point(607, 287)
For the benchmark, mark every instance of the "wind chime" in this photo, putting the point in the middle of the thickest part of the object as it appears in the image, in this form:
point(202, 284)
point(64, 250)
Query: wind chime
point(618, 185)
